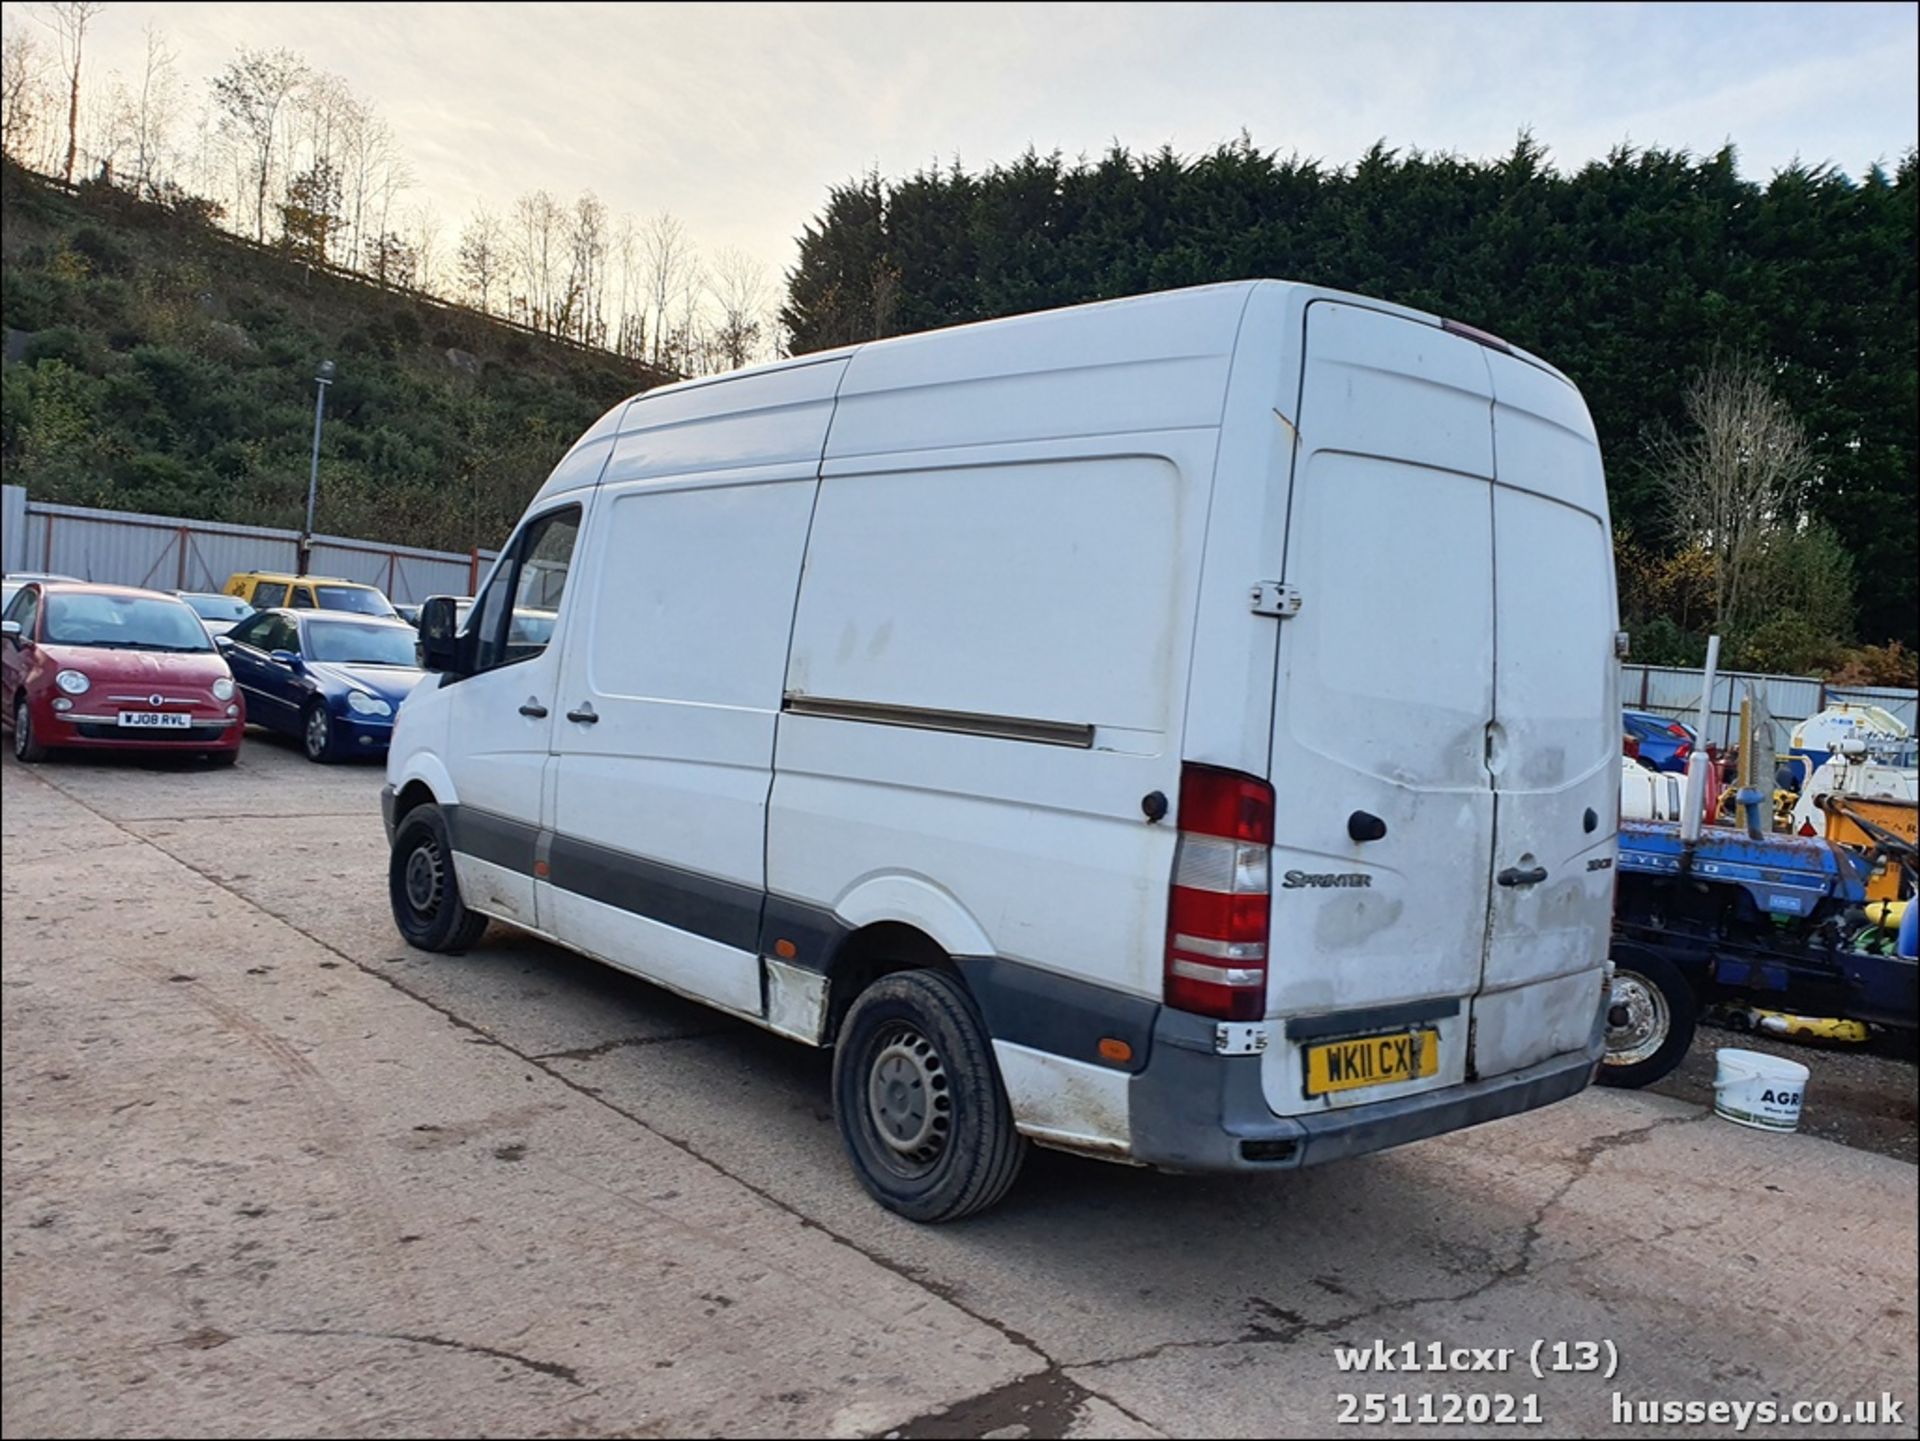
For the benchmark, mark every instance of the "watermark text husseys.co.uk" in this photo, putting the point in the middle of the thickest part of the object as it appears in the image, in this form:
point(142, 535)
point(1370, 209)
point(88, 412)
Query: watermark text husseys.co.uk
point(1881, 1410)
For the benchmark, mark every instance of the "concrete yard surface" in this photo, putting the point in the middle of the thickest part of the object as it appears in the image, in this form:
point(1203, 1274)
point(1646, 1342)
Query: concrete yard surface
point(269, 1172)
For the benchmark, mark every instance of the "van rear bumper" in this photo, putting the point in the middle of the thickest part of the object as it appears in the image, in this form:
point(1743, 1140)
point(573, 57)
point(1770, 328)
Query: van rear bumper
point(1194, 1110)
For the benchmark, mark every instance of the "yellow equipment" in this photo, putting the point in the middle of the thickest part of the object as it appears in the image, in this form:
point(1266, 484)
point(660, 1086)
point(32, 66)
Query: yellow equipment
point(1882, 813)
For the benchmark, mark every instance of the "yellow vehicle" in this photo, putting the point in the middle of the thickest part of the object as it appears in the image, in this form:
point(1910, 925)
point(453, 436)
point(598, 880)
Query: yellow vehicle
point(266, 589)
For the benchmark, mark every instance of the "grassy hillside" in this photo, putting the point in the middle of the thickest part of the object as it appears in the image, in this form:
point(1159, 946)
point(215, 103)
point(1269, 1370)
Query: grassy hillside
point(155, 364)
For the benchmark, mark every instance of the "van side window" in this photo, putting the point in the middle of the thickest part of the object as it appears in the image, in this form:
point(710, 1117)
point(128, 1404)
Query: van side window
point(303, 597)
point(522, 601)
point(268, 594)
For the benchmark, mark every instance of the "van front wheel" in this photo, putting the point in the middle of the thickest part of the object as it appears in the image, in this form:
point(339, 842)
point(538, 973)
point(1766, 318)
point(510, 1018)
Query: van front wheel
point(919, 1100)
point(422, 888)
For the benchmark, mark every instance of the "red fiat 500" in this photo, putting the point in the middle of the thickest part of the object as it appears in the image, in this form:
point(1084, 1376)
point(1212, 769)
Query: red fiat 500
point(108, 667)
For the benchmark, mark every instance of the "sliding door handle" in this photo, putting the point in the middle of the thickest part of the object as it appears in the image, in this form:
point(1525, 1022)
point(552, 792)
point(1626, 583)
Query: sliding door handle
point(583, 715)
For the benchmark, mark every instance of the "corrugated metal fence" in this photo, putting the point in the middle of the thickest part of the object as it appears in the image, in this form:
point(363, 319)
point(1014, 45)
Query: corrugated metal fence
point(173, 554)
point(1790, 699)
point(168, 553)
point(13, 528)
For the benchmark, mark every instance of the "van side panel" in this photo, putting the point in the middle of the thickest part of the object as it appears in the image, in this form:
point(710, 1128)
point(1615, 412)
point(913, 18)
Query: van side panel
point(1003, 635)
point(1155, 363)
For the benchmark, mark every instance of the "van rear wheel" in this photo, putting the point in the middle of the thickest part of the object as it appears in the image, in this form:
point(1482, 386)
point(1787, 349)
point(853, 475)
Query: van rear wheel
point(919, 1102)
point(422, 888)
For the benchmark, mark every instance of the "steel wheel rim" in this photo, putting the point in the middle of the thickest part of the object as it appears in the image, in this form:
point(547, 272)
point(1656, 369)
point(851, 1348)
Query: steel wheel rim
point(425, 876)
point(909, 1100)
point(22, 731)
point(1648, 1020)
point(316, 732)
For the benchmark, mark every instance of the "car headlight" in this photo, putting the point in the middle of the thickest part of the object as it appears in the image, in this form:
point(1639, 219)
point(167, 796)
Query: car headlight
point(360, 703)
point(223, 688)
point(73, 682)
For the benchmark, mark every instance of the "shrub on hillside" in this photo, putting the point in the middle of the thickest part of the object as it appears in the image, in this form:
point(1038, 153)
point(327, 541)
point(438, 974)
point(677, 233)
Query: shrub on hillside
point(65, 344)
point(160, 485)
point(104, 254)
point(31, 299)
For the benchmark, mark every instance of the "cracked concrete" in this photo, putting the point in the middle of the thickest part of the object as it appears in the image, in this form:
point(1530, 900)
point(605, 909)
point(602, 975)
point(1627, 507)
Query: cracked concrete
point(328, 1184)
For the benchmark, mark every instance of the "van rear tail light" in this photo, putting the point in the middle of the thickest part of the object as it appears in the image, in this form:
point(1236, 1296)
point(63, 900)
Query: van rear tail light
point(1217, 912)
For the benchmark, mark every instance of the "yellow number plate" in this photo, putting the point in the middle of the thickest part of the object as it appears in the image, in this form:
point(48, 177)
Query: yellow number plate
point(1372, 1061)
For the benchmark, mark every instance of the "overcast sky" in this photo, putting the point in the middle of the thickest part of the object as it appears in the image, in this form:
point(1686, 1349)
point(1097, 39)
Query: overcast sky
point(737, 117)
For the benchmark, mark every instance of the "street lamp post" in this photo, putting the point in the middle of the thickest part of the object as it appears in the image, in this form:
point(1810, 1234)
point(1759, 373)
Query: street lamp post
point(324, 379)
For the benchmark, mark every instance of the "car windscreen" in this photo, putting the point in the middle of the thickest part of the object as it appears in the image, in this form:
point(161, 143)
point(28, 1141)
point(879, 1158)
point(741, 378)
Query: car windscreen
point(123, 622)
point(345, 643)
point(218, 607)
point(353, 598)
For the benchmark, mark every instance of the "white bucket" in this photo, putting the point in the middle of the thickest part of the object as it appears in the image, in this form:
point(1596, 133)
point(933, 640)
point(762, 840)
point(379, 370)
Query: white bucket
point(1751, 1089)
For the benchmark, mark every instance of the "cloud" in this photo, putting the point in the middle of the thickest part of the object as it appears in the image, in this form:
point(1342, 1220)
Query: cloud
point(738, 117)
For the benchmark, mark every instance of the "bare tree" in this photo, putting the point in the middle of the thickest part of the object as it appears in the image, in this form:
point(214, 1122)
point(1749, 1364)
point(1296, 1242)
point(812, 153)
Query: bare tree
point(667, 255)
point(68, 19)
point(24, 94)
point(251, 93)
point(424, 231)
point(629, 329)
point(737, 285)
point(587, 258)
point(690, 336)
point(537, 244)
point(155, 107)
point(482, 257)
point(315, 133)
point(1738, 478)
point(371, 155)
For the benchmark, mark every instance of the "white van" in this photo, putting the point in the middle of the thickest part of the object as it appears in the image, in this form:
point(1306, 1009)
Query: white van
point(1180, 730)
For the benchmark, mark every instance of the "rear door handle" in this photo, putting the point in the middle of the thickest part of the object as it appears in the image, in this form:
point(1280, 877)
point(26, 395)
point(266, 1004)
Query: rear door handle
point(1513, 876)
point(584, 715)
point(533, 708)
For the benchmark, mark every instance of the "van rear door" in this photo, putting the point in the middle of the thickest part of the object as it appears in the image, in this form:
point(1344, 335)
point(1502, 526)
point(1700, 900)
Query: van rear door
point(1385, 687)
point(1553, 745)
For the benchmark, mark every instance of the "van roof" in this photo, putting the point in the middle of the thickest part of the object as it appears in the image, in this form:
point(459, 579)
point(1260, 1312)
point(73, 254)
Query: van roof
point(1167, 302)
point(1198, 321)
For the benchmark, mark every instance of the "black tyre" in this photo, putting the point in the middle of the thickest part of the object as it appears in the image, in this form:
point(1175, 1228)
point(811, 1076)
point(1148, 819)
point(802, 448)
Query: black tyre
point(1651, 1015)
point(26, 747)
point(422, 889)
point(316, 734)
point(220, 760)
point(919, 1102)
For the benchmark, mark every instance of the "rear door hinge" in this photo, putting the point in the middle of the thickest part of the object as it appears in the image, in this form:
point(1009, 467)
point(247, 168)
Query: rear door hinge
point(1270, 597)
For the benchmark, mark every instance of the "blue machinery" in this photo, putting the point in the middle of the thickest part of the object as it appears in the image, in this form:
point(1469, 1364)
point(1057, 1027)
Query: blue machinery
point(1763, 918)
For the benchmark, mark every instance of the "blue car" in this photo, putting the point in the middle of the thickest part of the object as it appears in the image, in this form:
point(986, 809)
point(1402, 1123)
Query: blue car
point(331, 679)
point(1665, 744)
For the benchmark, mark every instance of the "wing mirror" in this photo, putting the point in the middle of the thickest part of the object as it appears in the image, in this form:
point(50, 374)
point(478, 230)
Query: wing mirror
point(10, 629)
point(288, 659)
point(442, 647)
